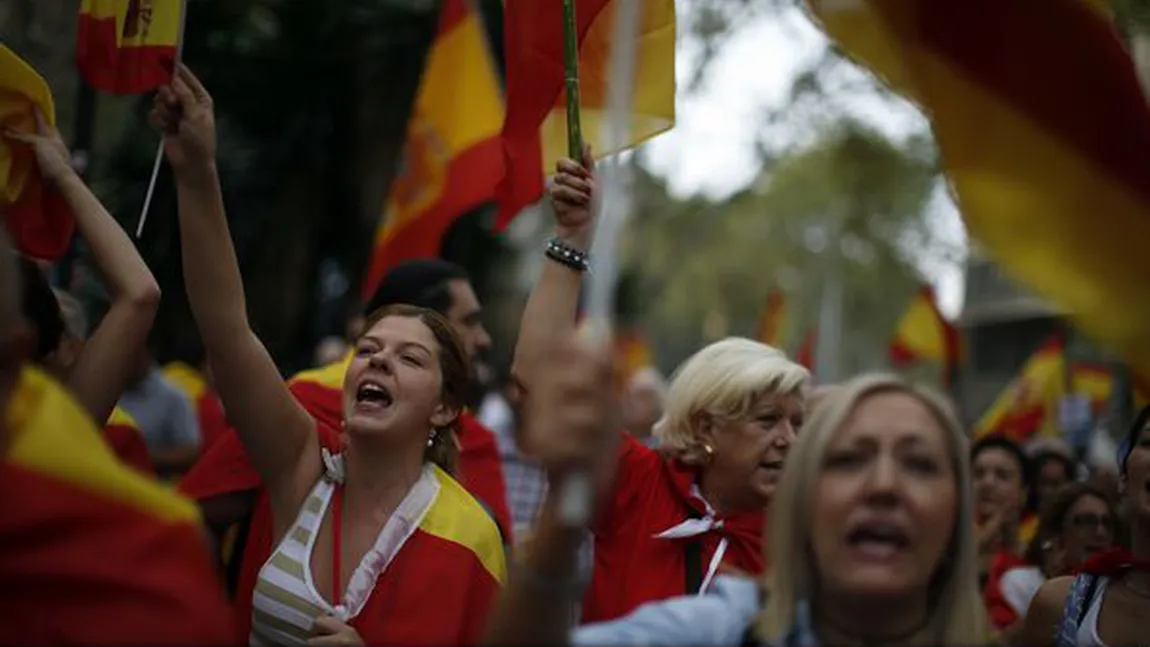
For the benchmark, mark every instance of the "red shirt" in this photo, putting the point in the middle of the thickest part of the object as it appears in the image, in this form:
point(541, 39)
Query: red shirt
point(652, 494)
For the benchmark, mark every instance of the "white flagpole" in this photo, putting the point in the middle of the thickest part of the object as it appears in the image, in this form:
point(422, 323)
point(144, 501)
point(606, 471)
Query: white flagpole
point(614, 205)
point(160, 148)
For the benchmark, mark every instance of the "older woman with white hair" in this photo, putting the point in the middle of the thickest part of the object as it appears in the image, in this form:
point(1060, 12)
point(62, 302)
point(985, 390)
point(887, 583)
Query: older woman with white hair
point(874, 515)
point(670, 518)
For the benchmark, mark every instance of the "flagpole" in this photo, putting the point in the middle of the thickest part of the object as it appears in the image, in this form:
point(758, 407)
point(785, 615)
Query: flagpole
point(160, 149)
point(613, 205)
point(571, 80)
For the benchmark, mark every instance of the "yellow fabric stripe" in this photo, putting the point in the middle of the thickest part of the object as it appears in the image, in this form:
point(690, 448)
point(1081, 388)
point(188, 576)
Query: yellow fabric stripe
point(122, 418)
point(457, 517)
point(330, 376)
point(20, 85)
point(921, 332)
point(159, 20)
point(653, 95)
point(288, 565)
point(51, 434)
point(187, 379)
point(460, 94)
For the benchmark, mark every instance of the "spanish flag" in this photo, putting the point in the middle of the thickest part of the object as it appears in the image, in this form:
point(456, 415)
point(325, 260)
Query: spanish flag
point(127, 442)
point(1029, 406)
point(924, 334)
point(535, 132)
point(128, 46)
point(1044, 131)
point(805, 356)
point(90, 551)
point(37, 217)
point(209, 411)
point(773, 319)
point(451, 159)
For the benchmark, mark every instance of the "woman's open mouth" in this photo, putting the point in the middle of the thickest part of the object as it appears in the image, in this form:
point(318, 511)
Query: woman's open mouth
point(372, 396)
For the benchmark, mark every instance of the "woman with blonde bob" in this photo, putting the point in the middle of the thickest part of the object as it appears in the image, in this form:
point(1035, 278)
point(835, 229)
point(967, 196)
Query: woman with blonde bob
point(871, 537)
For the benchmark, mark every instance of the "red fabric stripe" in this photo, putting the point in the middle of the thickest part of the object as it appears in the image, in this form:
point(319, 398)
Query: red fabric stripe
point(901, 354)
point(533, 47)
point(119, 70)
point(481, 471)
point(129, 446)
point(85, 570)
point(1072, 76)
point(41, 224)
point(471, 179)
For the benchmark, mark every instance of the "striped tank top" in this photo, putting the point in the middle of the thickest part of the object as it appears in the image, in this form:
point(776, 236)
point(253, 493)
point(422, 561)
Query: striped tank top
point(285, 601)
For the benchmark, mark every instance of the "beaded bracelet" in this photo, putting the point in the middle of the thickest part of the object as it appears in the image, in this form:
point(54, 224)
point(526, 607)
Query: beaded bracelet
point(567, 256)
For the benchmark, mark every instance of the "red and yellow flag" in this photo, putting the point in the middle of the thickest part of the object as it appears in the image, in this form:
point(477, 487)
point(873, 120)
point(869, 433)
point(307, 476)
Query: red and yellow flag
point(127, 441)
point(37, 217)
point(1029, 406)
point(924, 334)
point(535, 132)
point(1044, 131)
point(97, 553)
point(805, 356)
point(773, 319)
point(451, 160)
point(128, 46)
point(209, 411)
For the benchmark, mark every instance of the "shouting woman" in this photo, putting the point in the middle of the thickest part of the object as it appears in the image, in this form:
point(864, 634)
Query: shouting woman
point(367, 538)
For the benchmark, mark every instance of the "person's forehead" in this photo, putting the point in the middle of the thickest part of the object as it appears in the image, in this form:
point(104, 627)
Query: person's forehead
point(896, 416)
point(463, 297)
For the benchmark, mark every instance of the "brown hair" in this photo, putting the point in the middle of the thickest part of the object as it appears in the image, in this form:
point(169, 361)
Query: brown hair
point(1053, 519)
point(454, 368)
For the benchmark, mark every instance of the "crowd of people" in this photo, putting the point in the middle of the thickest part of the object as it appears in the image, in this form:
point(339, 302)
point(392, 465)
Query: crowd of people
point(375, 500)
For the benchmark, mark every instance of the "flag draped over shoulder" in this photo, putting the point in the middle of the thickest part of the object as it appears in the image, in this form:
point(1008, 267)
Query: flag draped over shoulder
point(36, 215)
point(923, 334)
point(209, 411)
point(93, 552)
point(127, 46)
point(1045, 134)
point(773, 319)
point(535, 132)
point(451, 160)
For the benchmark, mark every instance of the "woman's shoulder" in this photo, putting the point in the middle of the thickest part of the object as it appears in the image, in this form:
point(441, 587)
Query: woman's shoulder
point(721, 618)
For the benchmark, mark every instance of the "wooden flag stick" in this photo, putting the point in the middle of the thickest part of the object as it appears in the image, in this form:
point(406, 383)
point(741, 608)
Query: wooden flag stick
point(160, 148)
point(571, 66)
point(613, 205)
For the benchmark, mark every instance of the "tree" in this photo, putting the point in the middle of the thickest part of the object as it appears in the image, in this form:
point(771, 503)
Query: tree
point(848, 203)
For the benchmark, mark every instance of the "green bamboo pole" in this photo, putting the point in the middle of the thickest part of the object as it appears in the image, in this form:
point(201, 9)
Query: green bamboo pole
point(571, 64)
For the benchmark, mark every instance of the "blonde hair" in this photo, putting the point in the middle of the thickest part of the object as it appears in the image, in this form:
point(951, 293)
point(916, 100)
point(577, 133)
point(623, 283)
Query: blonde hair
point(957, 616)
point(723, 379)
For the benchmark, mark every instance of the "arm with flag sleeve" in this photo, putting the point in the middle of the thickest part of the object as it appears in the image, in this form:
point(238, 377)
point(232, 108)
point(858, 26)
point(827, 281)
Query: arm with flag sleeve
point(106, 363)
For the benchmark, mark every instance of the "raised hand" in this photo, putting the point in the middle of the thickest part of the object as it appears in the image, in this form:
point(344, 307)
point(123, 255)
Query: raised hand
point(572, 193)
point(182, 111)
point(571, 414)
point(52, 154)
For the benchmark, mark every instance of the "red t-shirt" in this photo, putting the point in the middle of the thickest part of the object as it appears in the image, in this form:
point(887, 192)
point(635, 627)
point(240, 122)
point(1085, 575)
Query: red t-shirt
point(651, 494)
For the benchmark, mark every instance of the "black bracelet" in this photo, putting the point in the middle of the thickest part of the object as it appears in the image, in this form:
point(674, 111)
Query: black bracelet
point(567, 256)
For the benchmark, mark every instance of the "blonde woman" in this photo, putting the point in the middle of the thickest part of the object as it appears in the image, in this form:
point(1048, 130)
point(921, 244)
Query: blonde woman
point(873, 514)
point(671, 517)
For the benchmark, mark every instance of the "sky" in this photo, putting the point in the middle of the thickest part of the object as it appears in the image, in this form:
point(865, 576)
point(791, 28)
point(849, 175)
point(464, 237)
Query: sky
point(711, 149)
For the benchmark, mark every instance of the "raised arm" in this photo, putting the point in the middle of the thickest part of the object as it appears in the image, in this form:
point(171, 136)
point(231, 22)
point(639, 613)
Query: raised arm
point(276, 431)
point(101, 371)
point(549, 316)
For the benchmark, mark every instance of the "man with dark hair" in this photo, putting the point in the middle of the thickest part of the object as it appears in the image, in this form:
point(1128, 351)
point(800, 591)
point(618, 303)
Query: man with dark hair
point(228, 488)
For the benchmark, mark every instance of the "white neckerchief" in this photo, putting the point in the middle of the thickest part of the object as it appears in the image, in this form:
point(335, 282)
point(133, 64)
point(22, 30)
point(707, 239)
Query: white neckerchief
point(696, 527)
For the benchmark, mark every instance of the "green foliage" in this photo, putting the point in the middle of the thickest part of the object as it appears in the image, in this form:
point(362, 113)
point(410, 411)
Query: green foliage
point(851, 204)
